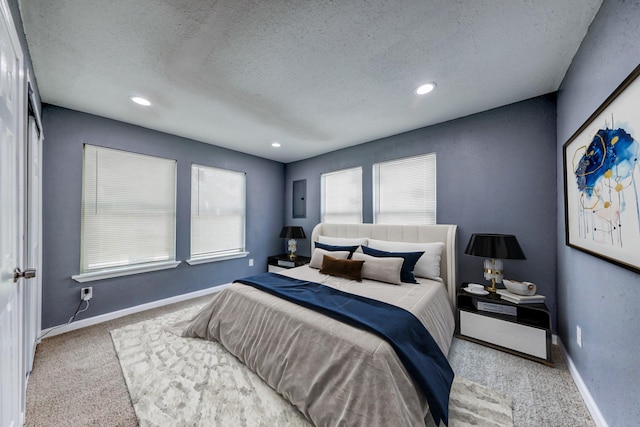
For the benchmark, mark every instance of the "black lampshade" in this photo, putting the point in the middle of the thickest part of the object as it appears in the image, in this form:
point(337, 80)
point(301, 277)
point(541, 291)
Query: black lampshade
point(289, 232)
point(498, 246)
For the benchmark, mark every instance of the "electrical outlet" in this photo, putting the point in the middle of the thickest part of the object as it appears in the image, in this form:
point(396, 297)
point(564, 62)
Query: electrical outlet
point(86, 293)
point(251, 262)
point(579, 336)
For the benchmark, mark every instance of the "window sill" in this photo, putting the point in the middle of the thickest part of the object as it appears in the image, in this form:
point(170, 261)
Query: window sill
point(125, 271)
point(215, 258)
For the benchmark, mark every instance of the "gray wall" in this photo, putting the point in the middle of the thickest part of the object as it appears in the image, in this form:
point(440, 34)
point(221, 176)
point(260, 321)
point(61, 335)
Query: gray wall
point(65, 133)
point(495, 173)
point(603, 299)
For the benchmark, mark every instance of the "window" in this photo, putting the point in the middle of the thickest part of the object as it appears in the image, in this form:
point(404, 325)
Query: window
point(405, 191)
point(218, 205)
point(128, 213)
point(342, 196)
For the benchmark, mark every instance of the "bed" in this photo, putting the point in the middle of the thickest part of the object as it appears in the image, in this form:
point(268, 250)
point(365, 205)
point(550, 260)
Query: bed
point(334, 373)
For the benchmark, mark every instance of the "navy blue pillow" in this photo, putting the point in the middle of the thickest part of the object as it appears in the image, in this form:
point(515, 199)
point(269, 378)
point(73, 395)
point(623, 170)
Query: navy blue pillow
point(332, 248)
point(409, 263)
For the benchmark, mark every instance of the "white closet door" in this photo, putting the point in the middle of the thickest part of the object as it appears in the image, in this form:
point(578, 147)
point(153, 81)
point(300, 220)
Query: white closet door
point(12, 116)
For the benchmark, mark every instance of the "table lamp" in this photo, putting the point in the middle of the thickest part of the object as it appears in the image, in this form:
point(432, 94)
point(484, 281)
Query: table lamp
point(292, 233)
point(494, 247)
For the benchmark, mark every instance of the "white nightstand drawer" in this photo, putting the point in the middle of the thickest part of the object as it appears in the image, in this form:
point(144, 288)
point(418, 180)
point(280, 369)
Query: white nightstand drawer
point(518, 337)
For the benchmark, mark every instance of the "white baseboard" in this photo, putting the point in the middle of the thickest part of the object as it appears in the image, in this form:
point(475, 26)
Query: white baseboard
point(582, 387)
point(57, 330)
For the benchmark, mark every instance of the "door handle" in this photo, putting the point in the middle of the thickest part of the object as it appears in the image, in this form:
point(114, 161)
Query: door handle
point(29, 273)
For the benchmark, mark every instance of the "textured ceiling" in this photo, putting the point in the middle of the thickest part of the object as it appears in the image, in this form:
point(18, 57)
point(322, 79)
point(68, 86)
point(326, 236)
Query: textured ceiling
point(315, 76)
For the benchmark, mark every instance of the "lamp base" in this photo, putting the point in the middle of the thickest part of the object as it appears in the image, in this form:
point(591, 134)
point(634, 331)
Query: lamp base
point(493, 272)
point(293, 246)
point(492, 288)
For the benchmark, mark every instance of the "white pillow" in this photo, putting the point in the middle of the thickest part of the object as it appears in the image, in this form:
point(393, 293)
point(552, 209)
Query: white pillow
point(385, 269)
point(428, 265)
point(344, 241)
point(318, 255)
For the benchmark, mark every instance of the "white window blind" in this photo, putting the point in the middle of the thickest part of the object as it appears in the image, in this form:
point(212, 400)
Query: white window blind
point(128, 209)
point(342, 196)
point(405, 191)
point(218, 204)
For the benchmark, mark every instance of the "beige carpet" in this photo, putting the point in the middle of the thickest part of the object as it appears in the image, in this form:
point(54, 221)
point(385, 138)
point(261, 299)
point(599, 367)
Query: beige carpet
point(542, 396)
point(186, 381)
point(77, 380)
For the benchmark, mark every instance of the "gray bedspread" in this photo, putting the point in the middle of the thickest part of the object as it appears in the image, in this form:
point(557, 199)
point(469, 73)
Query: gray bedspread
point(335, 374)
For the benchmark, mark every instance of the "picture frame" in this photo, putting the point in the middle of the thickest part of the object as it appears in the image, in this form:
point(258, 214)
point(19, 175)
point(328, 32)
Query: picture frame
point(601, 163)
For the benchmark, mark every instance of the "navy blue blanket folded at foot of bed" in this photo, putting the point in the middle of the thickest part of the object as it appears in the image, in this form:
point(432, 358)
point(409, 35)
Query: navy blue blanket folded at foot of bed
point(413, 344)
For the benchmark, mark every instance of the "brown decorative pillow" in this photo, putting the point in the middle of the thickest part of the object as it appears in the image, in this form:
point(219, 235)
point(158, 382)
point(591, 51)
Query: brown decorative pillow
point(342, 268)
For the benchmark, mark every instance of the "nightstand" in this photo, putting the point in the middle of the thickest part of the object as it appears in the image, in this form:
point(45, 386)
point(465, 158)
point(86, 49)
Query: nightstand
point(282, 262)
point(520, 329)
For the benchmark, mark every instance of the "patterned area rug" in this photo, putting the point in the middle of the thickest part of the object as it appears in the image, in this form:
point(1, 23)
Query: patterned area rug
point(185, 381)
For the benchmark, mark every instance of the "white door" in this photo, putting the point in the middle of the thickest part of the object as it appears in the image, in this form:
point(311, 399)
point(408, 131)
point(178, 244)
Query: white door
point(11, 219)
point(33, 288)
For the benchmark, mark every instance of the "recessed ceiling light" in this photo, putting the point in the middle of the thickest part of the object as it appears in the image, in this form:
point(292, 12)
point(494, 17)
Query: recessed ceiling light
point(275, 144)
point(140, 101)
point(425, 88)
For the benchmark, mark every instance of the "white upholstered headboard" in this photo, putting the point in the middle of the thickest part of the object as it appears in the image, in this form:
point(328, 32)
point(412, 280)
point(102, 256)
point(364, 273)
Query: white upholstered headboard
point(404, 233)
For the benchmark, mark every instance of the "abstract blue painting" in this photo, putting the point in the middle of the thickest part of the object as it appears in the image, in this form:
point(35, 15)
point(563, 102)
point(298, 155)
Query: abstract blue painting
point(602, 179)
